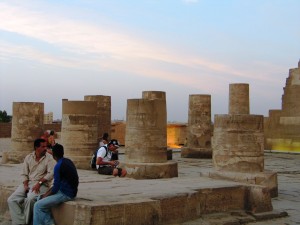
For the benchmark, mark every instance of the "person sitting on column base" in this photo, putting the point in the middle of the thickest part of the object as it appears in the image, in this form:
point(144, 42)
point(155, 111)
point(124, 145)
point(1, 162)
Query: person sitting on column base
point(105, 164)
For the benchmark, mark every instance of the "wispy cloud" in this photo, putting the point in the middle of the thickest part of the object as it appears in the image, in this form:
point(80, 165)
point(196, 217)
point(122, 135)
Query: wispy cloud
point(100, 47)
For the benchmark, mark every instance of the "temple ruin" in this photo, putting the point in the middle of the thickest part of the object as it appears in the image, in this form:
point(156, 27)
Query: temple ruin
point(282, 126)
point(238, 181)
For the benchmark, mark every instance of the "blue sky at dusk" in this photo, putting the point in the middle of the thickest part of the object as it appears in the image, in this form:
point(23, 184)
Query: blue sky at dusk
point(54, 50)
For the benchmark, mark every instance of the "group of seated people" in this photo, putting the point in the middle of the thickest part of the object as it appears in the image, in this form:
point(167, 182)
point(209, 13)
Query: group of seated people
point(49, 179)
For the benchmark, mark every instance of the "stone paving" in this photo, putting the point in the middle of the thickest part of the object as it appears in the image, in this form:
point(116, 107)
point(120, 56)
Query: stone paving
point(286, 165)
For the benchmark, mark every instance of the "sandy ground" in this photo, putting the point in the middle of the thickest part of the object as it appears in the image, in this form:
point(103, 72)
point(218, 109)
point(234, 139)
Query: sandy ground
point(4, 145)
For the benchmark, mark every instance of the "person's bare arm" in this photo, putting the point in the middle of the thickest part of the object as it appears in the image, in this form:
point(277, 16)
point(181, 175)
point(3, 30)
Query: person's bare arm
point(101, 162)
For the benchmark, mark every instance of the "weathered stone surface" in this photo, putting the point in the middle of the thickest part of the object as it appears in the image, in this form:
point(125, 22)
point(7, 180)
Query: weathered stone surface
point(227, 218)
point(282, 127)
point(269, 215)
point(221, 199)
point(97, 193)
point(14, 156)
point(146, 131)
point(238, 143)
point(176, 135)
point(169, 154)
point(167, 169)
point(27, 125)
point(199, 129)
point(267, 179)
point(178, 208)
point(103, 113)
point(118, 131)
point(239, 99)
point(204, 153)
point(146, 138)
point(258, 199)
point(199, 121)
point(151, 95)
point(79, 132)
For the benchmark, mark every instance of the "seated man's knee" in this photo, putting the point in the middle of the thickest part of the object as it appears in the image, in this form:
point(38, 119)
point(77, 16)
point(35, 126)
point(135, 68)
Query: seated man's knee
point(32, 198)
point(123, 173)
point(119, 172)
point(115, 172)
point(9, 200)
point(13, 199)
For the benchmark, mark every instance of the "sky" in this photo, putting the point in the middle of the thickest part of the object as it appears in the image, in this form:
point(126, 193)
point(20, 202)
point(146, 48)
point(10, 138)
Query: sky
point(52, 50)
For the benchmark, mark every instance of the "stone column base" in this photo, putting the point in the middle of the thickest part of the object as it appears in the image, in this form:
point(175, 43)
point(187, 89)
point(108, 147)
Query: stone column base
point(199, 153)
point(266, 178)
point(13, 157)
point(81, 162)
point(169, 154)
point(168, 169)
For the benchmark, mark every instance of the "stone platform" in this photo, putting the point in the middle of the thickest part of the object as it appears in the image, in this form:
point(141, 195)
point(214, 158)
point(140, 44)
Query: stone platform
point(188, 199)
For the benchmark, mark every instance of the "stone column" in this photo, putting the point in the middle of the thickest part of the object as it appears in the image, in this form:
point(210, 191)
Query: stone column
point(199, 128)
point(79, 131)
point(27, 125)
point(146, 140)
point(238, 143)
point(239, 99)
point(151, 95)
point(103, 112)
point(154, 95)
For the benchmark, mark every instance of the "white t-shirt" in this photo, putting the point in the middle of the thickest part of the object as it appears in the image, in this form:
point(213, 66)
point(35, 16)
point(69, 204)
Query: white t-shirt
point(101, 144)
point(102, 152)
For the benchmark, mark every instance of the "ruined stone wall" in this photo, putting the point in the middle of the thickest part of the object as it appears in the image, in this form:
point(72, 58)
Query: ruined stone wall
point(5, 130)
point(290, 97)
point(53, 126)
point(176, 135)
point(118, 131)
point(282, 127)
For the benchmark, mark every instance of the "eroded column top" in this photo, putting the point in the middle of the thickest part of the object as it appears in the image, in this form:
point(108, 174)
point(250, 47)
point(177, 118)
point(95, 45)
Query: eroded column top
point(239, 98)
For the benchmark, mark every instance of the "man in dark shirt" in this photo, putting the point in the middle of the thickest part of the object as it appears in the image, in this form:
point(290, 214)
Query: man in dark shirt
point(65, 187)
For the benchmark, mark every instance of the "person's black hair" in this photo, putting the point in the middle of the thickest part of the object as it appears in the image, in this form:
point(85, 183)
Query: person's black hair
point(52, 132)
point(105, 136)
point(58, 151)
point(37, 142)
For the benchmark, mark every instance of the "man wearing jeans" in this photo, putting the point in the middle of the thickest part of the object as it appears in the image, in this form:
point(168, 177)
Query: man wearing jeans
point(65, 187)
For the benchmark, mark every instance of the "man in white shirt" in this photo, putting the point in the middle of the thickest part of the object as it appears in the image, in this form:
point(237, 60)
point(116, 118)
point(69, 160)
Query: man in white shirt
point(104, 163)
